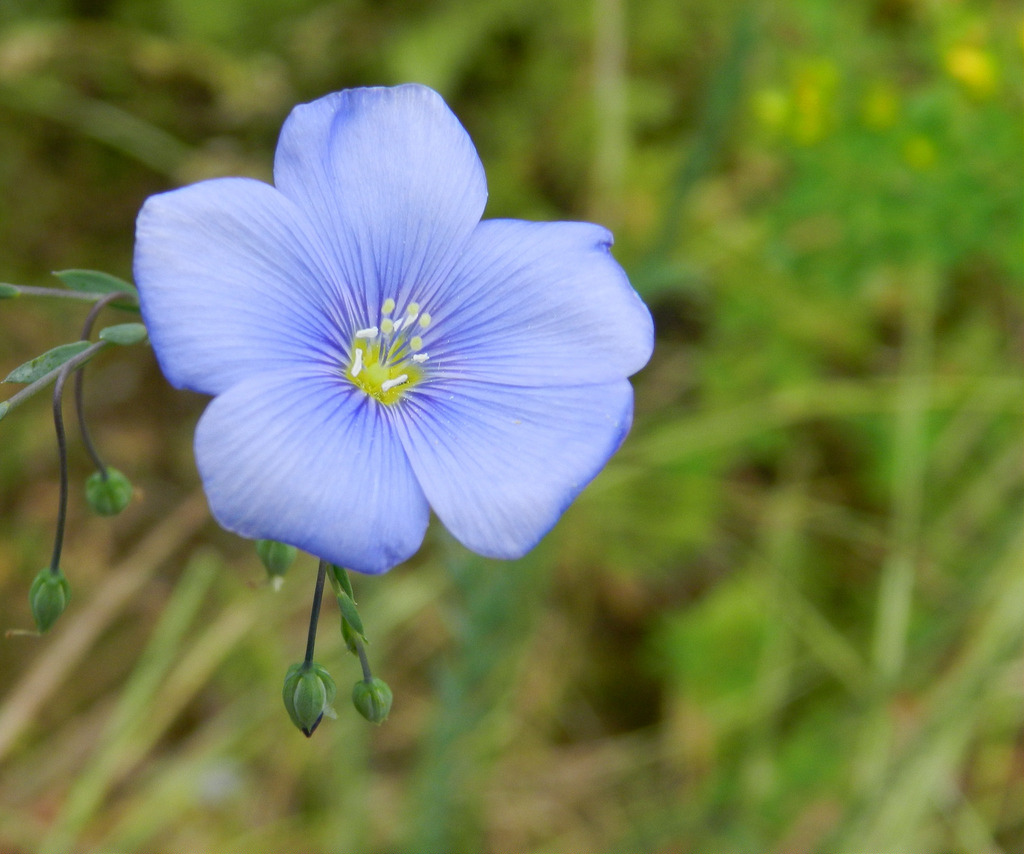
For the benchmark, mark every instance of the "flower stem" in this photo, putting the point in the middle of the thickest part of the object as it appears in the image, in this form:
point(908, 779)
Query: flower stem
point(62, 459)
point(314, 616)
point(80, 383)
point(364, 662)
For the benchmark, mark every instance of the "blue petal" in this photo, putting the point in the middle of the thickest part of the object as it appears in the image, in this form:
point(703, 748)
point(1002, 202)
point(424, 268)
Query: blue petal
point(393, 181)
point(538, 304)
point(231, 285)
point(308, 460)
point(500, 465)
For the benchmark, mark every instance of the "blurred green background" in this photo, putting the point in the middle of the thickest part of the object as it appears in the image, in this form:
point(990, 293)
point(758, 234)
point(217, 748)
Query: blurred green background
point(788, 616)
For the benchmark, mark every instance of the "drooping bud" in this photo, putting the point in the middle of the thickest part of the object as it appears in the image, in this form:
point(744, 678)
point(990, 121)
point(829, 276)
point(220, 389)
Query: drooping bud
point(277, 559)
point(308, 693)
point(108, 496)
point(48, 597)
point(372, 699)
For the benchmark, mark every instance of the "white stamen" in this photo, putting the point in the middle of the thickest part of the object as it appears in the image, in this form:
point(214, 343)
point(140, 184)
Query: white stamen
point(398, 324)
point(420, 358)
point(387, 385)
point(369, 332)
point(357, 362)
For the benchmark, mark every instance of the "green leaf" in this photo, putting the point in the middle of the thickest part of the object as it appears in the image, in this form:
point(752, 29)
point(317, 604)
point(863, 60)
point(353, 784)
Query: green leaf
point(124, 334)
point(351, 614)
point(40, 366)
point(340, 575)
point(94, 281)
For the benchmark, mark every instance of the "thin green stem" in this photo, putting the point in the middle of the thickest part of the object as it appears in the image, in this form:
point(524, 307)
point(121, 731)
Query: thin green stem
point(343, 586)
point(41, 383)
point(722, 101)
point(62, 460)
point(314, 616)
point(895, 595)
point(611, 141)
point(364, 662)
point(80, 384)
point(899, 574)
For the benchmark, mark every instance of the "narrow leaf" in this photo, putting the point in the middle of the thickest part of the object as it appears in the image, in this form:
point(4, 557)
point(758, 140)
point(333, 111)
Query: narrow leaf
point(124, 333)
point(94, 281)
point(351, 614)
point(48, 361)
point(340, 574)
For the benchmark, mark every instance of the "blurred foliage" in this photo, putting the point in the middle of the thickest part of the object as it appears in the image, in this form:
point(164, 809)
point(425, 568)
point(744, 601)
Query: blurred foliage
point(786, 618)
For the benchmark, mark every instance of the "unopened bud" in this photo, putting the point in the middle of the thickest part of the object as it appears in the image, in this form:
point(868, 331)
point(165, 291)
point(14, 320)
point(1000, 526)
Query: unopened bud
point(48, 597)
point(308, 693)
point(372, 699)
point(277, 558)
point(110, 495)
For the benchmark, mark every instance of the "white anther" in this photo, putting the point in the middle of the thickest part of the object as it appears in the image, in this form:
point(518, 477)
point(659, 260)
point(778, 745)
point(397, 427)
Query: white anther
point(369, 332)
point(420, 358)
point(387, 385)
point(357, 362)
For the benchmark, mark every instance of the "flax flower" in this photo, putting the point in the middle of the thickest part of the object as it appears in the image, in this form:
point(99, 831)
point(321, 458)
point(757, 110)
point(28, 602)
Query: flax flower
point(374, 350)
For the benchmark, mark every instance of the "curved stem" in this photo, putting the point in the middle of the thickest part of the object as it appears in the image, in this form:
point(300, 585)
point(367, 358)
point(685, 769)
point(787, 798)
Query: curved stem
point(364, 662)
point(314, 616)
point(80, 384)
point(62, 458)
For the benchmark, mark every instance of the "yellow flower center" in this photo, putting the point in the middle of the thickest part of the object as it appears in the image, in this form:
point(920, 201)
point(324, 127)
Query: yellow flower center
point(387, 360)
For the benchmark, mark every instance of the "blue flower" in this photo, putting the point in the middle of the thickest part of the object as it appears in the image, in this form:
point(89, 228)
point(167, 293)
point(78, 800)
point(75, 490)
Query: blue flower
point(375, 350)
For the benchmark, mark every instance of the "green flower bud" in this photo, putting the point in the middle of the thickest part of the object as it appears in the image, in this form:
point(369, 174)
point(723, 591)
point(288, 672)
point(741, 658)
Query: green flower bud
point(48, 597)
point(109, 496)
point(372, 699)
point(308, 693)
point(277, 558)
